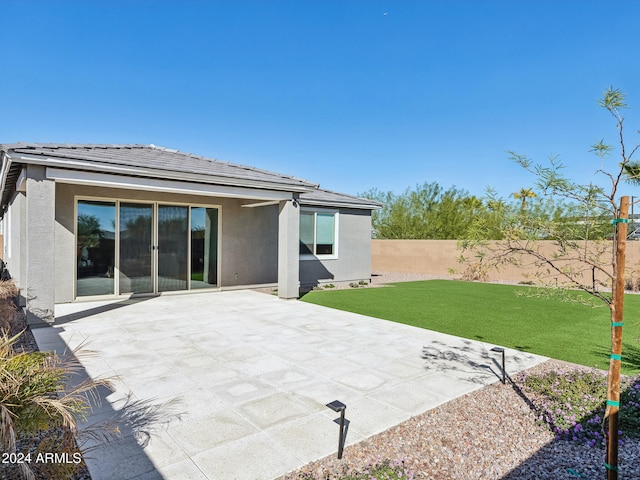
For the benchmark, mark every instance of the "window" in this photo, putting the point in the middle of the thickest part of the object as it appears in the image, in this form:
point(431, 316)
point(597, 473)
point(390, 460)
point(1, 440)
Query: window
point(318, 233)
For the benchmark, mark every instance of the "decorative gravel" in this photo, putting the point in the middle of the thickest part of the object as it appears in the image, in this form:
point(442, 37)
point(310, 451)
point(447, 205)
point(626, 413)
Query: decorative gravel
point(25, 342)
point(381, 278)
point(488, 434)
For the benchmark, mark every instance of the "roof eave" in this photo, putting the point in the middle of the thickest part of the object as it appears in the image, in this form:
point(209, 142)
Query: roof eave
point(327, 203)
point(74, 164)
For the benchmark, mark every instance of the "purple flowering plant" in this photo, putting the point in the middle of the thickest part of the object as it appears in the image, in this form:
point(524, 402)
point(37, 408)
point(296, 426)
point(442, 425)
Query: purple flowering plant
point(572, 404)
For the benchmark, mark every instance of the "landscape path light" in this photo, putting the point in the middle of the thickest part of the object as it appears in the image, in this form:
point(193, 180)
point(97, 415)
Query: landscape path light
point(504, 371)
point(338, 406)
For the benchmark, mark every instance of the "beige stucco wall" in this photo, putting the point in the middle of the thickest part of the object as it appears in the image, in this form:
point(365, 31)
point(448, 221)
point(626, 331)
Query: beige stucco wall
point(354, 253)
point(16, 236)
point(249, 240)
point(440, 257)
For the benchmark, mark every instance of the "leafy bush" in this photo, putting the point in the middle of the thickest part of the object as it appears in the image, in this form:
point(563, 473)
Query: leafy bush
point(572, 404)
point(632, 283)
point(474, 271)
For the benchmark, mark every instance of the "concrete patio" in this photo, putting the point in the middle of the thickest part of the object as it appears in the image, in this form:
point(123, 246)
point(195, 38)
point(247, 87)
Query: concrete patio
point(233, 385)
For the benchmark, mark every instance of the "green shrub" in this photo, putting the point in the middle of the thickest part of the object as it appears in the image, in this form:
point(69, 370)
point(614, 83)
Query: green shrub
point(386, 470)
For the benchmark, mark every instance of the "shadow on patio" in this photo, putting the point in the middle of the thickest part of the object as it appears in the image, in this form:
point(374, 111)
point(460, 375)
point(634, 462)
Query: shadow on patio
point(118, 426)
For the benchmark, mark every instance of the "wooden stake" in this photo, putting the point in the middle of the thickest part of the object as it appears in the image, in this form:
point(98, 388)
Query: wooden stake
point(617, 307)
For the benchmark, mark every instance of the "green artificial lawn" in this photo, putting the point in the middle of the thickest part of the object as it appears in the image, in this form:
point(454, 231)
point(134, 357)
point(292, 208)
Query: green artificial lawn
point(547, 325)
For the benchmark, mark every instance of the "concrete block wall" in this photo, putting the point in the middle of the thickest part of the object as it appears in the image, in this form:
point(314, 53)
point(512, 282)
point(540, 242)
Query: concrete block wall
point(440, 258)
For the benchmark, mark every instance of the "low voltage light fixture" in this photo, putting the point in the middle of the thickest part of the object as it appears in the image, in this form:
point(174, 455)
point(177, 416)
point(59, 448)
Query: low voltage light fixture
point(338, 406)
point(504, 371)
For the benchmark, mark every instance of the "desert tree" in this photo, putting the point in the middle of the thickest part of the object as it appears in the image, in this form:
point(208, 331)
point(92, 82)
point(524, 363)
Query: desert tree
point(583, 250)
point(427, 211)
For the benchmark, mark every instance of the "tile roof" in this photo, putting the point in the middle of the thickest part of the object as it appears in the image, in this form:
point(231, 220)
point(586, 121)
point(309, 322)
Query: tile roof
point(321, 197)
point(159, 162)
point(150, 160)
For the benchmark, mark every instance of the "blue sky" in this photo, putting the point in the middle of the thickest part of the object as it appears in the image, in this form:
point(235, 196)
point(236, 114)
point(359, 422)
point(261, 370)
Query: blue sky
point(349, 94)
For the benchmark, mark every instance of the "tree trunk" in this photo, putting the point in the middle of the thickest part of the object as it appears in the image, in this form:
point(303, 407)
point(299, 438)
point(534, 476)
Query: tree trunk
point(617, 306)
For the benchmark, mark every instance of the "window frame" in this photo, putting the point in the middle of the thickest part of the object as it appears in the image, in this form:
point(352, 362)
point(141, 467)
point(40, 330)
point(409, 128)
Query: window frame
point(336, 233)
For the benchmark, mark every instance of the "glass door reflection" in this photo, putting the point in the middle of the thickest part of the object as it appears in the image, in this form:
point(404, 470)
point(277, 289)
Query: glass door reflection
point(173, 247)
point(136, 248)
point(204, 247)
point(95, 248)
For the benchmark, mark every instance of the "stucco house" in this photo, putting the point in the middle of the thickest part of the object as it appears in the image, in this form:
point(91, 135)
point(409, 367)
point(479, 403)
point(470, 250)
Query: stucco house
point(87, 222)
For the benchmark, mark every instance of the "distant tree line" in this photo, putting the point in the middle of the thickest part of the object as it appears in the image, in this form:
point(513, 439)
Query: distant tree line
point(430, 211)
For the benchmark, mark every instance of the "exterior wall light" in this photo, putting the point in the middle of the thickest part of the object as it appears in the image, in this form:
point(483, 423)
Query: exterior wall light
point(504, 371)
point(338, 406)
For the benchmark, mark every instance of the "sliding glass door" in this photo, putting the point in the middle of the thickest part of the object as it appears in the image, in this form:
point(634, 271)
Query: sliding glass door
point(173, 247)
point(136, 248)
point(145, 248)
point(95, 248)
point(204, 247)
